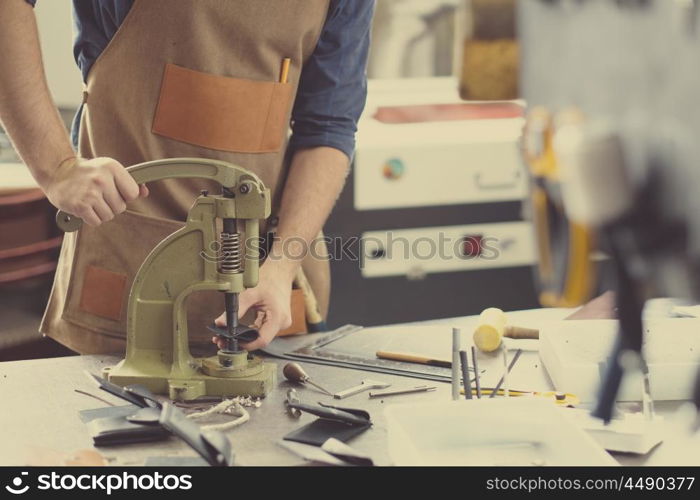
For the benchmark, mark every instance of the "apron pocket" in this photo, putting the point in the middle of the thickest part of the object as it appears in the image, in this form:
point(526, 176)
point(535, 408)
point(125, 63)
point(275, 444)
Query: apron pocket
point(102, 293)
point(222, 113)
point(105, 262)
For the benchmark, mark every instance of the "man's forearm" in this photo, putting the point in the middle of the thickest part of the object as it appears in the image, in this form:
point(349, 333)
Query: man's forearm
point(27, 111)
point(315, 180)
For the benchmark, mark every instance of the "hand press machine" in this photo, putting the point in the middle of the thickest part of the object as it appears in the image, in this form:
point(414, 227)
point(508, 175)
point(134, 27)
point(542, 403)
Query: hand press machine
point(157, 349)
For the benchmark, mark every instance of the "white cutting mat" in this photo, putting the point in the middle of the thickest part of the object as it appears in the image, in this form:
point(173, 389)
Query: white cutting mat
point(572, 352)
point(489, 432)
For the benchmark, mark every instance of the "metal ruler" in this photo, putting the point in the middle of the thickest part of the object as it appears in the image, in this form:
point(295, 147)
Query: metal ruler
point(320, 351)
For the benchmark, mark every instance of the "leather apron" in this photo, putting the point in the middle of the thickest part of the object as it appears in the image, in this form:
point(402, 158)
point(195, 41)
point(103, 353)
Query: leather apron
point(180, 78)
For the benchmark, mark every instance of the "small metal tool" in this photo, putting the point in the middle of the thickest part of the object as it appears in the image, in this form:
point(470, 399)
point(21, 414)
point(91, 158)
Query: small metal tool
point(510, 367)
point(396, 392)
point(506, 369)
point(466, 381)
point(295, 373)
point(477, 380)
point(292, 398)
point(365, 385)
point(456, 333)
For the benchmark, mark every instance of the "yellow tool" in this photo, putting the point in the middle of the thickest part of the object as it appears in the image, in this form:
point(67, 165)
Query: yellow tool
point(414, 358)
point(566, 270)
point(492, 327)
point(157, 348)
point(559, 398)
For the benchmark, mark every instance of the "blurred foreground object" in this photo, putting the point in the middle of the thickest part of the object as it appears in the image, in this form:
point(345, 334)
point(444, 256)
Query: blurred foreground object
point(611, 145)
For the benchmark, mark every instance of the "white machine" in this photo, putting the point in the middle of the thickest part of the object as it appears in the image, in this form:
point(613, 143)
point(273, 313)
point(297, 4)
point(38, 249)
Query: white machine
point(422, 146)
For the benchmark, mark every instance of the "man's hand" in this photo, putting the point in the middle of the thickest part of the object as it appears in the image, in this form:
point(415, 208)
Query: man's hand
point(271, 300)
point(316, 177)
point(95, 190)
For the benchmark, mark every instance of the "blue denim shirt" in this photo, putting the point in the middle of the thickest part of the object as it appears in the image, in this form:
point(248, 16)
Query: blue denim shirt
point(333, 84)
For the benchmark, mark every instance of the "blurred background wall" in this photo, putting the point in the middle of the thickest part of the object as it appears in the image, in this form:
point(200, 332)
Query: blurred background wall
point(56, 32)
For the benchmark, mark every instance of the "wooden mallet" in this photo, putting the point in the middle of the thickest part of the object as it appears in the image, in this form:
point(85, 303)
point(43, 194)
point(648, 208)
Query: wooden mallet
point(492, 327)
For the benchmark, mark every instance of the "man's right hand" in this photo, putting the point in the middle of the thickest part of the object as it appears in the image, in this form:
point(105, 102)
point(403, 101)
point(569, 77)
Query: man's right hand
point(95, 190)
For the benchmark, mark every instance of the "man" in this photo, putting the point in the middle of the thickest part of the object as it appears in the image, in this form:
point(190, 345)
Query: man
point(144, 62)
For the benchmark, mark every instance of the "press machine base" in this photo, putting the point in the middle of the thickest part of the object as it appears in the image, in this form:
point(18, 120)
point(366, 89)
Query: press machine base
point(248, 376)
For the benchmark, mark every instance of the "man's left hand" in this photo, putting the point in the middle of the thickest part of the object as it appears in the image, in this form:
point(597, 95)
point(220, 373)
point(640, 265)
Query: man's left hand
point(271, 300)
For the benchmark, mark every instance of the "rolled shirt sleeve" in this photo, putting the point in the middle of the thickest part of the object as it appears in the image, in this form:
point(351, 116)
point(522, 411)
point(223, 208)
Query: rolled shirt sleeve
point(333, 83)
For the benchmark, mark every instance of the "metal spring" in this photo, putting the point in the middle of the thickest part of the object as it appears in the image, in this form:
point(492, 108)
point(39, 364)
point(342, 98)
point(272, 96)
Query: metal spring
point(232, 259)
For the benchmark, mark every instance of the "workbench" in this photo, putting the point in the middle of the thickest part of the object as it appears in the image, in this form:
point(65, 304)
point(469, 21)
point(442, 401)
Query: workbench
point(41, 408)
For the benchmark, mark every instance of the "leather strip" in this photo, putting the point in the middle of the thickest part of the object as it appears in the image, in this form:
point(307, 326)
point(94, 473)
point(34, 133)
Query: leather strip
point(103, 293)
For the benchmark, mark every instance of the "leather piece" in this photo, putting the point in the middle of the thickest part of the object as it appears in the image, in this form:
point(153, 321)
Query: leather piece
point(102, 293)
point(357, 412)
point(107, 411)
point(212, 446)
point(326, 412)
point(135, 394)
point(319, 431)
point(298, 325)
point(144, 394)
point(145, 416)
point(335, 422)
point(222, 113)
point(112, 431)
point(244, 334)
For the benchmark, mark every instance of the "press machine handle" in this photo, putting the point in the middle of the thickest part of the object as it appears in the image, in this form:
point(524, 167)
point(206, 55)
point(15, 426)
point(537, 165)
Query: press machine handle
point(224, 173)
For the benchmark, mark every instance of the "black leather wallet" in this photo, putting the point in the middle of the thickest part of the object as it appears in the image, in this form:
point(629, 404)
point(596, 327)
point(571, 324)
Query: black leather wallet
point(110, 431)
point(335, 422)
